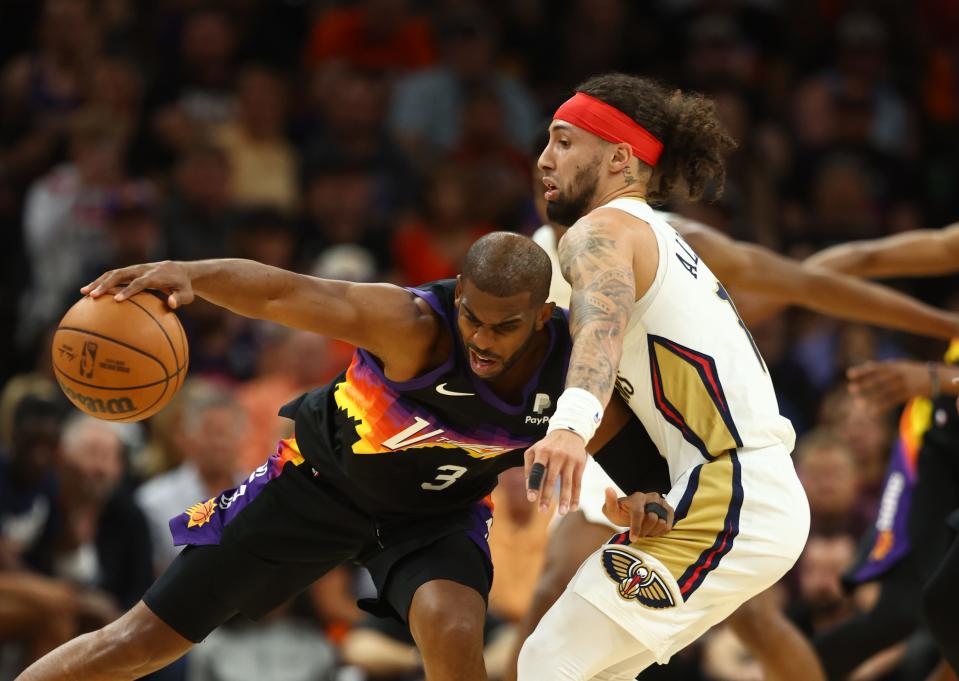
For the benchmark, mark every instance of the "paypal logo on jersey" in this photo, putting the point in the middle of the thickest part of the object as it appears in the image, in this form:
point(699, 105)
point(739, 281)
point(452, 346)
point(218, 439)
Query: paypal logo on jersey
point(541, 403)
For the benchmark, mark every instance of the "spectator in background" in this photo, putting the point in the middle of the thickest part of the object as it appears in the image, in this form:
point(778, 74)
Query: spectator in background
point(433, 245)
point(194, 90)
point(290, 362)
point(95, 537)
point(868, 434)
point(199, 217)
point(262, 162)
point(116, 89)
point(341, 209)
point(133, 230)
point(861, 75)
point(828, 473)
point(65, 219)
point(210, 438)
point(347, 127)
point(27, 477)
point(468, 47)
point(42, 89)
point(39, 612)
point(493, 162)
point(823, 602)
point(264, 234)
point(380, 35)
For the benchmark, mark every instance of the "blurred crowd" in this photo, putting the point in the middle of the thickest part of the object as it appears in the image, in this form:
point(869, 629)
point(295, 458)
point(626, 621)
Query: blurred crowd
point(375, 140)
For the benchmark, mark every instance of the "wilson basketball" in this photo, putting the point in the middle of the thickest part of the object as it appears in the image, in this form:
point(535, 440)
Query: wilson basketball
point(120, 361)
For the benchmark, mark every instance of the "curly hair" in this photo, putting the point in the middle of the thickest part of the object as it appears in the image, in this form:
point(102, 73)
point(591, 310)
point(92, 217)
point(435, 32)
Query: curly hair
point(694, 142)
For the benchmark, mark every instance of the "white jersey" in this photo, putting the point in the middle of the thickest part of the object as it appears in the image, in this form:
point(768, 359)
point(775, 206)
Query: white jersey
point(690, 369)
point(692, 375)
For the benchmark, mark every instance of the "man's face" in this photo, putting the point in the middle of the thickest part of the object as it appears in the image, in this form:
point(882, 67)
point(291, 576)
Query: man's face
point(36, 442)
point(570, 164)
point(93, 461)
point(496, 331)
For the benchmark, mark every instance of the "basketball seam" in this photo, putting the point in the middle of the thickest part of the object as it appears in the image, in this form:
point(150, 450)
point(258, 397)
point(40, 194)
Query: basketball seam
point(104, 387)
point(176, 357)
point(127, 417)
point(119, 342)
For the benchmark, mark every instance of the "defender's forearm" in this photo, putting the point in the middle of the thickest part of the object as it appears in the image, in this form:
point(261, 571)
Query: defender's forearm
point(850, 298)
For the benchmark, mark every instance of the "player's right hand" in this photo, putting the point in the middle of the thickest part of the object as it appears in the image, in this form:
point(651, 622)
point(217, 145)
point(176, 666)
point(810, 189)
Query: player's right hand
point(889, 383)
point(168, 276)
point(630, 511)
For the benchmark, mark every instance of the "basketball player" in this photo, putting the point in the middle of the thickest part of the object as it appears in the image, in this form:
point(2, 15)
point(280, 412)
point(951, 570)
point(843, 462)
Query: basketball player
point(770, 278)
point(648, 315)
point(389, 466)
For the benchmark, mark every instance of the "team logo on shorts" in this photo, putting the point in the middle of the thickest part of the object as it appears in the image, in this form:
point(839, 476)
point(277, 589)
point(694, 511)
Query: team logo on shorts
point(635, 580)
point(200, 514)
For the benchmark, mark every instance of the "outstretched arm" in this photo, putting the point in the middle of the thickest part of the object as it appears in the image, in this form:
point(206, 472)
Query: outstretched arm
point(384, 319)
point(920, 253)
point(598, 265)
point(784, 281)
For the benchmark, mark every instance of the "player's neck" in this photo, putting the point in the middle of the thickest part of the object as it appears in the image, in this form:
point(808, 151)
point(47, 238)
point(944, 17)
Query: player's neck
point(631, 191)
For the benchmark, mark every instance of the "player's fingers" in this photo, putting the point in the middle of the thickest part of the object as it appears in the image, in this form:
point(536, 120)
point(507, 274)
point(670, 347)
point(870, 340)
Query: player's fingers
point(565, 489)
point(612, 509)
point(534, 481)
point(108, 280)
point(180, 297)
point(577, 486)
point(854, 373)
point(140, 283)
point(553, 470)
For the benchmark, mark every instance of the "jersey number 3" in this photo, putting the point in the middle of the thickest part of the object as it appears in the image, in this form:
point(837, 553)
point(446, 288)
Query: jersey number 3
point(444, 480)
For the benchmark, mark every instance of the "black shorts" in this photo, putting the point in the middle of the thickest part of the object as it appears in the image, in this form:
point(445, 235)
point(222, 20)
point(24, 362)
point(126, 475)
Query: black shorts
point(260, 544)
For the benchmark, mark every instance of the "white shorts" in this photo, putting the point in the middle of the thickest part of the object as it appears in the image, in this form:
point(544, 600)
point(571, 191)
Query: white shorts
point(741, 523)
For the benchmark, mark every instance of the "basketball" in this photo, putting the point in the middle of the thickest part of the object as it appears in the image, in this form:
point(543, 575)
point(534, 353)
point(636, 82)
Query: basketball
point(120, 361)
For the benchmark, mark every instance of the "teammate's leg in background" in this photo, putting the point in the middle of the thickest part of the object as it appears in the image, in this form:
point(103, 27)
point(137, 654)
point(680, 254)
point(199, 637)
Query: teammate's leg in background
point(781, 649)
point(572, 541)
point(446, 620)
point(940, 602)
point(134, 645)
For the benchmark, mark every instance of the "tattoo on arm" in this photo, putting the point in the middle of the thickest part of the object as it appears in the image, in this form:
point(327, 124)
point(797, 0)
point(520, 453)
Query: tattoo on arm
point(604, 290)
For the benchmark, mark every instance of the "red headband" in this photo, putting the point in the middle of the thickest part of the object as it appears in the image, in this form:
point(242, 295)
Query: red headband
point(611, 124)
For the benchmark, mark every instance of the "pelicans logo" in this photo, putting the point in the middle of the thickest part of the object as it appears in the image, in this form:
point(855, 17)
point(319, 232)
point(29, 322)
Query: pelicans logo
point(200, 514)
point(635, 580)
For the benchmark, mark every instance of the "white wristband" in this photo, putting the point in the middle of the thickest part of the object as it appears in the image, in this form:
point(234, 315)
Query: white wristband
point(577, 410)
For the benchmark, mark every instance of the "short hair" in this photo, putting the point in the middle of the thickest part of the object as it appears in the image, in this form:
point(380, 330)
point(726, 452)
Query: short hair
point(201, 396)
point(78, 422)
point(505, 264)
point(37, 407)
point(818, 439)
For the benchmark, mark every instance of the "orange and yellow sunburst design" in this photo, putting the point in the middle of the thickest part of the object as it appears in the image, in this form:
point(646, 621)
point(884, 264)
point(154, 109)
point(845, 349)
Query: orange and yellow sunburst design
point(379, 412)
point(200, 514)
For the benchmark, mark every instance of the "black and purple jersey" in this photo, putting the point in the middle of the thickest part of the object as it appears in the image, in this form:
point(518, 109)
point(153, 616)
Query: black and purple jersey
point(432, 443)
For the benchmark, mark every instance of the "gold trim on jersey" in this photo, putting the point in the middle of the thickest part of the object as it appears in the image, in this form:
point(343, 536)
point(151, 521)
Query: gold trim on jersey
point(707, 528)
point(683, 386)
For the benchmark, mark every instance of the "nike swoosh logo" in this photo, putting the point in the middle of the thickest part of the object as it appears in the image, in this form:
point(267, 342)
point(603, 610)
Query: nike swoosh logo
point(441, 389)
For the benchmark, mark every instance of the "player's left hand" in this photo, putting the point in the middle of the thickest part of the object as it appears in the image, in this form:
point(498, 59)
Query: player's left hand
point(563, 454)
point(631, 512)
